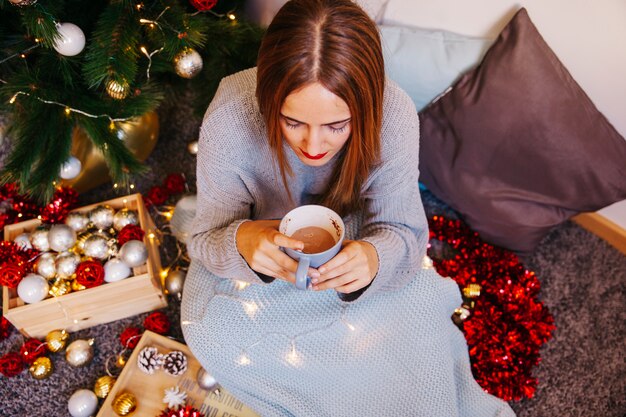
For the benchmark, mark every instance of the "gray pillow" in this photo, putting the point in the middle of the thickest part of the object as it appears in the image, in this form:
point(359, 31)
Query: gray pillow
point(424, 62)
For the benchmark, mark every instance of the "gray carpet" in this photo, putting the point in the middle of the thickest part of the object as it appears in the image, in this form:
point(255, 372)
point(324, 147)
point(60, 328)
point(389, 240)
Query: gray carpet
point(583, 279)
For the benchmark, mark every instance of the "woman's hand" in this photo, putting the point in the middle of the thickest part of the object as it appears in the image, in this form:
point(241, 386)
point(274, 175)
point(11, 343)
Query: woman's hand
point(259, 243)
point(353, 268)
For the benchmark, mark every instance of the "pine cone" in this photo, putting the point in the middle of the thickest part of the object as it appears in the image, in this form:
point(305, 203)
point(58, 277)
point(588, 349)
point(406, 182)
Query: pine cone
point(175, 363)
point(149, 360)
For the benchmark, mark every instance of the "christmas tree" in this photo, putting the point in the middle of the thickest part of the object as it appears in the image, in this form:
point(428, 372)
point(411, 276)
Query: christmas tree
point(94, 64)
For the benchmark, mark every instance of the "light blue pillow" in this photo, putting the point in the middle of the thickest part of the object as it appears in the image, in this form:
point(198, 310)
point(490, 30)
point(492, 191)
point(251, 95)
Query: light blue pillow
point(425, 62)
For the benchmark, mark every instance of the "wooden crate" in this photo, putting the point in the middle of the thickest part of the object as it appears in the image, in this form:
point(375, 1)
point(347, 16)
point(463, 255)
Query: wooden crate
point(149, 389)
point(103, 304)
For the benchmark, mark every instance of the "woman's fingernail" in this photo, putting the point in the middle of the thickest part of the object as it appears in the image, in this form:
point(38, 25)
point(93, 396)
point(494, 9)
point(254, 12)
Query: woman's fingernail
point(314, 274)
point(314, 280)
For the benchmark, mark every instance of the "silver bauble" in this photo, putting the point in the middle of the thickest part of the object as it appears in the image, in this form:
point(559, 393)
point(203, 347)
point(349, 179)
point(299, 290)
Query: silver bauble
point(124, 217)
point(79, 352)
point(188, 63)
point(77, 221)
point(102, 217)
point(206, 380)
point(82, 403)
point(61, 237)
point(32, 288)
point(134, 253)
point(96, 246)
point(116, 270)
point(23, 241)
point(39, 239)
point(174, 282)
point(46, 265)
point(66, 263)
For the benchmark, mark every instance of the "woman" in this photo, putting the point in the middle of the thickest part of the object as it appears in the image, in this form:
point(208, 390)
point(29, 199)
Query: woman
point(317, 122)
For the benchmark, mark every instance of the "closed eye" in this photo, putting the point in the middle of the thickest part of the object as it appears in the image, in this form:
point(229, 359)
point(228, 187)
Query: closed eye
point(339, 128)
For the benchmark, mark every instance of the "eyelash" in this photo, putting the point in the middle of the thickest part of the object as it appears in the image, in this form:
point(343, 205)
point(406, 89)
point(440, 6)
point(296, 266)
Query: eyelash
point(334, 130)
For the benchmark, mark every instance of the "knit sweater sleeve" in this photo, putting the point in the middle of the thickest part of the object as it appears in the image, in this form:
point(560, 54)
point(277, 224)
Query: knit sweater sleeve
point(224, 202)
point(394, 221)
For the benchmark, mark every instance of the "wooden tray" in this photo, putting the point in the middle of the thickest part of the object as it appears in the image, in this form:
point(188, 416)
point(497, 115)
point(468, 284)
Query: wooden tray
point(149, 389)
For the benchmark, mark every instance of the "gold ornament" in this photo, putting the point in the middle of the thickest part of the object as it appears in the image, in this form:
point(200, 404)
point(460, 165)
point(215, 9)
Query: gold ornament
point(188, 63)
point(79, 352)
point(471, 290)
point(118, 91)
point(60, 287)
point(56, 340)
point(76, 286)
point(124, 404)
point(103, 386)
point(41, 368)
point(138, 134)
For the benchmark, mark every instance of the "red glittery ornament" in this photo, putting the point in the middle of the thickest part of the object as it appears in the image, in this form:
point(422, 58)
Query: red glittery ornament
point(508, 325)
point(130, 337)
point(174, 183)
point(32, 349)
point(11, 364)
point(186, 411)
point(18, 208)
point(90, 273)
point(129, 232)
point(203, 5)
point(5, 328)
point(157, 322)
point(11, 274)
point(157, 196)
point(63, 200)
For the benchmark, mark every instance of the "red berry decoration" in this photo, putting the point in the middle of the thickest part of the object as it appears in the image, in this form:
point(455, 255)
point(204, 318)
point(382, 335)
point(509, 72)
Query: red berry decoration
point(11, 364)
point(130, 337)
point(11, 274)
point(186, 411)
point(90, 273)
point(174, 183)
point(129, 232)
point(5, 328)
point(157, 322)
point(32, 349)
point(203, 5)
point(157, 195)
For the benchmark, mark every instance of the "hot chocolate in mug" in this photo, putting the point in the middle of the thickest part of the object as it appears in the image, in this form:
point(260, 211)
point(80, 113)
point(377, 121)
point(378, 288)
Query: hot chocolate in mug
point(322, 232)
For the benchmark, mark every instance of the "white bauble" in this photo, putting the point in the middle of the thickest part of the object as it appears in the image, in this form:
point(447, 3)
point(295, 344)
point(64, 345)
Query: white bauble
point(66, 264)
point(71, 168)
point(116, 270)
point(83, 403)
point(39, 239)
point(61, 237)
point(23, 241)
point(77, 220)
point(134, 253)
point(33, 288)
point(71, 41)
point(46, 265)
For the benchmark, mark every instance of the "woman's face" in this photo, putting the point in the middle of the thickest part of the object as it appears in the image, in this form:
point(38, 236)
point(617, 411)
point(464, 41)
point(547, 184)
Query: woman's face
point(315, 123)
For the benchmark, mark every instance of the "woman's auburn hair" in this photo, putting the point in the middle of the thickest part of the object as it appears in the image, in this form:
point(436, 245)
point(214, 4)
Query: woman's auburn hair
point(335, 43)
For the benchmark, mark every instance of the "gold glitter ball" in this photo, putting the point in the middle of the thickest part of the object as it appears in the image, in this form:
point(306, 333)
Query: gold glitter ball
point(60, 287)
point(41, 368)
point(56, 340)
point(117, 91)
point(103, 386)
point(124, 404)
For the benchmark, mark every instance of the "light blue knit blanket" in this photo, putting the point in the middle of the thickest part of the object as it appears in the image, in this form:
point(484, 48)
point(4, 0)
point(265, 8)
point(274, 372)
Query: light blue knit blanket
point(286, 352)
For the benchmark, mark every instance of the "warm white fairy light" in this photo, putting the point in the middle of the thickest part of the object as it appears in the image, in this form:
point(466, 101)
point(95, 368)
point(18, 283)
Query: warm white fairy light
point(69, 109)
point(241, 285)
point(243, 359)
point(149, 56)
point(251, 308)
point(292, 356)
point(427, 263)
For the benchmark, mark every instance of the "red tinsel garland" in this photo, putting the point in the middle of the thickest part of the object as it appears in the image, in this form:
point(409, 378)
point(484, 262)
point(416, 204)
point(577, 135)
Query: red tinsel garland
point(15, 263)
point(5, 328)
point(508, 325)
point(32, 349)
point(130, 337)
point(11, 364)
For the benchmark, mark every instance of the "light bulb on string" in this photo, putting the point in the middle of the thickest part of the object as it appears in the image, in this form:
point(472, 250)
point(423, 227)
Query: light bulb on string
point(243, 359)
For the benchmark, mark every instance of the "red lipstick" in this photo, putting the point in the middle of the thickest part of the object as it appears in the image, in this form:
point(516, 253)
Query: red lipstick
point(318, 156)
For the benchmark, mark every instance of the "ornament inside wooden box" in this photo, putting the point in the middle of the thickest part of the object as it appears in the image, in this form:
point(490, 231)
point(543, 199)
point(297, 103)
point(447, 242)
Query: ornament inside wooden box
point(163, 378)
point(101, 265)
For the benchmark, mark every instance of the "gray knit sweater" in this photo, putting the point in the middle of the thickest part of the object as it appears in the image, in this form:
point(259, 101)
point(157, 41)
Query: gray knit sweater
point(239, 180)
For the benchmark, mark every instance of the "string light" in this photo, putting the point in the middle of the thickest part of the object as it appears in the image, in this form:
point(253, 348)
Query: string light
point(231, 16)
point(292, 357)
point(69, 109)
point(241, 285)
point(149, 56)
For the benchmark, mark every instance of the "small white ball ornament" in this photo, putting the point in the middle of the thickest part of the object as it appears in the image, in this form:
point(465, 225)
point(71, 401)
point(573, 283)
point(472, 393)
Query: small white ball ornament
point(188, 63)
point(71, 168)
point(61, 237)
point(102, 217)
point(66, 263)
point(23, 241)
point(96, 246)
point(79, 352)
point(46, 265)
point(39, 239)
point(71, 41)
point(134, 253)
point(33, 288)
point(83, 403)
point(116, 270)
point(124, 217)
point(77, 221)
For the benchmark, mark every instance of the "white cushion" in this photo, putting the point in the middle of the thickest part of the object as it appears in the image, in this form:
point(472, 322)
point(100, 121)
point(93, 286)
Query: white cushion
point(425, 62)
